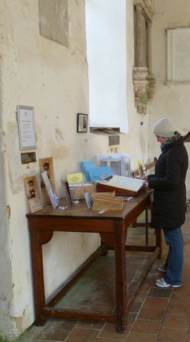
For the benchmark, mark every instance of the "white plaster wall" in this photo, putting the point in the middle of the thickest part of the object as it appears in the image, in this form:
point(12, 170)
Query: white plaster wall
point(170, 100)
point(53, 79)
point(5, 264)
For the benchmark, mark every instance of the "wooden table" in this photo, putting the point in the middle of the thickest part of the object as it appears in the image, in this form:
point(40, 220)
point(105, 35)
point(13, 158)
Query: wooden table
point(112, 227)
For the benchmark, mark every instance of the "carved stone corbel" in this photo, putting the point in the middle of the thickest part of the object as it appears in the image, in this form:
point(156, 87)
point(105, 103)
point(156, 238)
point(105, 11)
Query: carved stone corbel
point(144, 84)
point(140, 80)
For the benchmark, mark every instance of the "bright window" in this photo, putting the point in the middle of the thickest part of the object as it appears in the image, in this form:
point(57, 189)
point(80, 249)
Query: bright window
point(107, 62)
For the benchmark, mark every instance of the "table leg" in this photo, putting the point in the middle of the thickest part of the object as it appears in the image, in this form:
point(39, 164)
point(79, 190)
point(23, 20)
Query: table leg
point(38, 278)
point(104, 248)
point(120, 271)
point(146, 226)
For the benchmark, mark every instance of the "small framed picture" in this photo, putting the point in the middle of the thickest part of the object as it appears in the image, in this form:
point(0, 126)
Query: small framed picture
point(33, 193)
point(82, 123)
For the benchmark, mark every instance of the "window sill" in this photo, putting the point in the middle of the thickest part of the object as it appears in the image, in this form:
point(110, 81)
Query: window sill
point(105, 130)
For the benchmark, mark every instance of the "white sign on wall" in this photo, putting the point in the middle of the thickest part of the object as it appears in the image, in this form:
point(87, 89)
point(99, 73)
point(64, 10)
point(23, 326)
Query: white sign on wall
point(26, 127)
point(178, 52)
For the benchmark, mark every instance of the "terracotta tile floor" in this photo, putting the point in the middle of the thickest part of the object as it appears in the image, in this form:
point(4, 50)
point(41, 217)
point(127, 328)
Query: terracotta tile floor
point(156, 315)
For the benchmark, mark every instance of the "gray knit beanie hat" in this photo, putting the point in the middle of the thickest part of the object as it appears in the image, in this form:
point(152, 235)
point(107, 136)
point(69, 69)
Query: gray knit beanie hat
point(163, 128)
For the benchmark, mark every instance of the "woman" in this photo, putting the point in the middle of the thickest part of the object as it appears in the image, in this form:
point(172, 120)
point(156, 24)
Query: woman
point(169, 205)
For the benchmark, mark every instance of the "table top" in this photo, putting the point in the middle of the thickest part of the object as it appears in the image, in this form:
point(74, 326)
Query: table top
point(80, 210)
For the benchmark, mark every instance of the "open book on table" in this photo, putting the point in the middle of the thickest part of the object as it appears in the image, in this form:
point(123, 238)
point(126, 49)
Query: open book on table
point(121, 185)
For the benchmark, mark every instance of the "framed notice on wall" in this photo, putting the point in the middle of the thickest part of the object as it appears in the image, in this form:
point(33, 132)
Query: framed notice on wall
point(26, 128)
point(178, 52)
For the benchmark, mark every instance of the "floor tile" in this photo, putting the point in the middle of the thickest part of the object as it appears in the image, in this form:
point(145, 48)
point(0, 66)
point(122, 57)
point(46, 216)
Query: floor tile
point(56, 329)
point(81, 335)
point(90, 325)
point(134, 337)
point(172, 335)
point(146, 326)
point(176, 321)
point(154, 308)
point(109, 332)
point(156, 292)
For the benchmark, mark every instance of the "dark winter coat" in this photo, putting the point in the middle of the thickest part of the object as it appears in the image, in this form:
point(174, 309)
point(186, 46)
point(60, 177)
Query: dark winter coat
point(169, 204)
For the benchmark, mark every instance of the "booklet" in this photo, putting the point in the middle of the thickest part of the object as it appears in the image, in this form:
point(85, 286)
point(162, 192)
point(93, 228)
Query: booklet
point(128, 184)
point(52, 196)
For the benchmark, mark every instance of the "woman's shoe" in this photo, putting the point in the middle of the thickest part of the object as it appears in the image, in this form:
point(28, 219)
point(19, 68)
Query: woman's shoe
point(161, 283)
point(162, 268)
